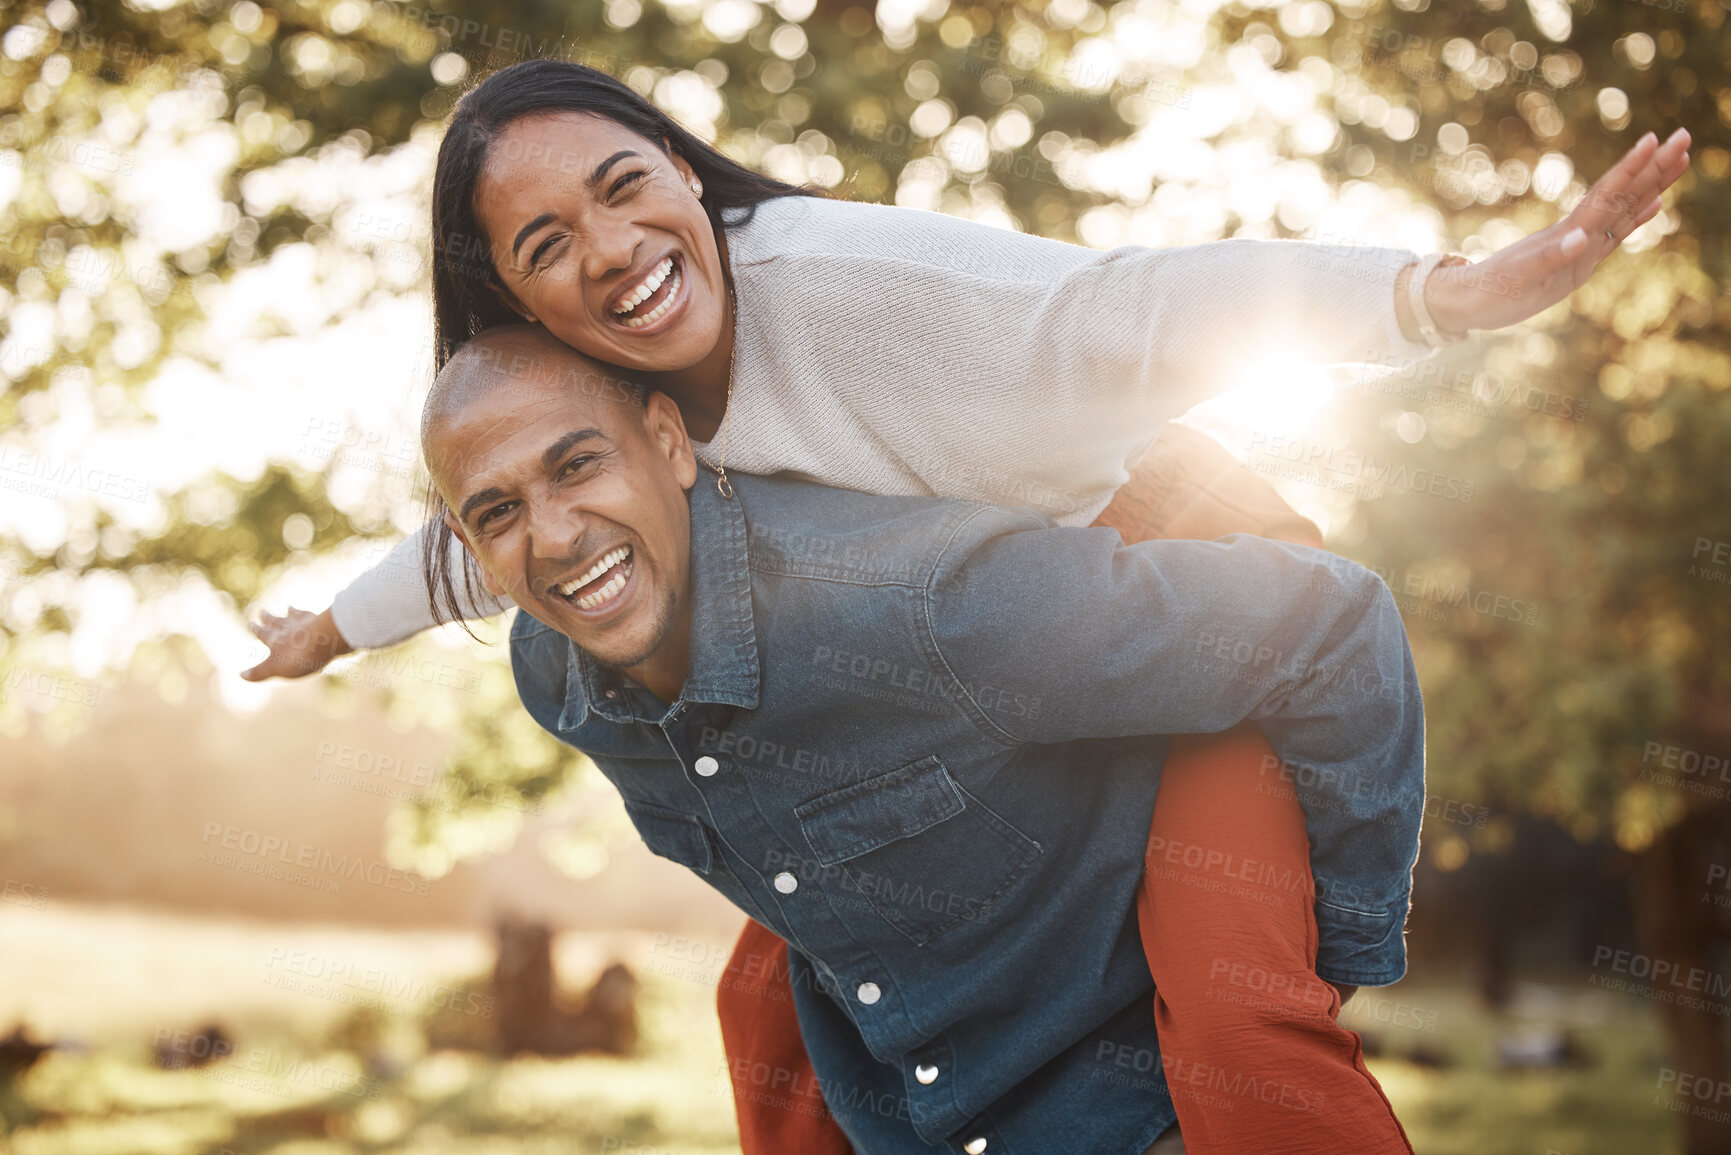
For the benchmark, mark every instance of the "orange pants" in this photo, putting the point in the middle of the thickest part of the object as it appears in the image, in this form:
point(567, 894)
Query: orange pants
point(1237, 1001)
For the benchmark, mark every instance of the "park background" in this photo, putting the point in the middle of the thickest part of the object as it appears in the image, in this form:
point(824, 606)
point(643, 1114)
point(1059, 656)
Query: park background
point(215, 337)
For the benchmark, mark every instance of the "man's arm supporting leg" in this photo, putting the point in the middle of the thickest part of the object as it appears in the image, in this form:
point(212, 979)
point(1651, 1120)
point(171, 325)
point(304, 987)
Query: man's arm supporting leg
point(1209, 953)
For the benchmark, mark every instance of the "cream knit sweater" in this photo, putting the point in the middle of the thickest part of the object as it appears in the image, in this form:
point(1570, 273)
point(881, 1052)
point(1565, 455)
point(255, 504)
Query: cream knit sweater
point(896, 351)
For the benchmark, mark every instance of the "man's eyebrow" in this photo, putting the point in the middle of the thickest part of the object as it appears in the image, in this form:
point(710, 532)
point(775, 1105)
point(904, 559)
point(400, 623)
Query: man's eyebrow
point(478, 499)
point(548, 459)
point(576, 437)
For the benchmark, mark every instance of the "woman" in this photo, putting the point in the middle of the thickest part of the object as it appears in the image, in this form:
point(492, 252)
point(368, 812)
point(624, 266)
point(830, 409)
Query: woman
point(843, 341)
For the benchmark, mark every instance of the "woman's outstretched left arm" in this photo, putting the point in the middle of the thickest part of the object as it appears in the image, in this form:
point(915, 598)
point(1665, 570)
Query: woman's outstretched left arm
point(1538, 271)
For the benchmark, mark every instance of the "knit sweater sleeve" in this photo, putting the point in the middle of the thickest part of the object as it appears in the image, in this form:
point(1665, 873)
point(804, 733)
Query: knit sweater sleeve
point(1190, 320)
point(951, 357)
point(1159, 328)
point(389, 603)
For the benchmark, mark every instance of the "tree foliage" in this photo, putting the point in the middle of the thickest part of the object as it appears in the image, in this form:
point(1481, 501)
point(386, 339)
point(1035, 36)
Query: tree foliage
point(1027, 114)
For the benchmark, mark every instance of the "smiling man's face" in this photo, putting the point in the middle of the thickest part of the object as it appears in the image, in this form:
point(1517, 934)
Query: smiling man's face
point(570, 495)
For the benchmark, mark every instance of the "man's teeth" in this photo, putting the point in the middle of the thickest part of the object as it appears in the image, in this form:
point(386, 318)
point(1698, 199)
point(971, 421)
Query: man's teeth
point(642, 292)
point(613, 586)
point(656, 313)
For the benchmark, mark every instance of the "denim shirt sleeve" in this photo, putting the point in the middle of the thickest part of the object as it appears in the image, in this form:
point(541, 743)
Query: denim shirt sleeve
point(1167, 637)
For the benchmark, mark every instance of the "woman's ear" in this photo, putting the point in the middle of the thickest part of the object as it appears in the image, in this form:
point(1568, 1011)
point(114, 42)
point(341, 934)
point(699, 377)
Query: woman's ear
point(686, 174)
point(510, 299)
point(456, 528)
point(666, 429)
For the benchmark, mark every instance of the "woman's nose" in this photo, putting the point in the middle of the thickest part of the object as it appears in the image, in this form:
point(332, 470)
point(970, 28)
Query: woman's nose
point(613, 244)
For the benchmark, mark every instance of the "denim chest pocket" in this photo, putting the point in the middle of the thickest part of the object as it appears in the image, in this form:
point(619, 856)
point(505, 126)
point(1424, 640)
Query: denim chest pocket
point(918, 847)
point(673, 835)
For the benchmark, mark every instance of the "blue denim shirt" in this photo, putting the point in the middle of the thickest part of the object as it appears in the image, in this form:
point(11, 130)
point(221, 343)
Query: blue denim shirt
point(919, 740)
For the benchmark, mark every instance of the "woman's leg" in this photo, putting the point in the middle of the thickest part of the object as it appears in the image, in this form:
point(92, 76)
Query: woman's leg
point(775, 1091)
point(1248, 1039)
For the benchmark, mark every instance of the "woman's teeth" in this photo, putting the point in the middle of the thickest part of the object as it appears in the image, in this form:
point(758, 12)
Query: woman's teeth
point(646, 290)
point(613, 585)
point(650, 283)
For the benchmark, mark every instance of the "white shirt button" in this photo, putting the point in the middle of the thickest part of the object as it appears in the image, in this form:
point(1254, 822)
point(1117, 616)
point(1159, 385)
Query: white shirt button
point(975, 1145)
point(926, 1073)
point(786, 882)
point(706, 766)
point(869, 993)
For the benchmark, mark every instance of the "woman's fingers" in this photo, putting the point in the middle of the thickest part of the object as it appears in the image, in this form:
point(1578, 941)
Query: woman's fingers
point(1648, 213)
point(1615, 203)
point(1672, 158)
point(274, 630)
point(1627, 196)
point(1616, 193)
point(1539, 270)
point(1662, 169)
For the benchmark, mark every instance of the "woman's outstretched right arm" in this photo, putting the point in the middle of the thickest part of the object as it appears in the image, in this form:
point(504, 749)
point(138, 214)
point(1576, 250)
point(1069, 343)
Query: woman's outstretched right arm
point(387, 604)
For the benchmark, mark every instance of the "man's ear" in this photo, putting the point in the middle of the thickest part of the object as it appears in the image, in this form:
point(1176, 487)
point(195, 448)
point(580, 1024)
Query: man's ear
point(666, 429)
point(456, 528)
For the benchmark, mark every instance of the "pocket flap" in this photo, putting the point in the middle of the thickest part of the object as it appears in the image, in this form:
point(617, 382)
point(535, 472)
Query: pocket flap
point(858, 819)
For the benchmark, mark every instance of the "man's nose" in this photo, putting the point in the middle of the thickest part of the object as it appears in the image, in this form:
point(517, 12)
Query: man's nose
point(555, 528)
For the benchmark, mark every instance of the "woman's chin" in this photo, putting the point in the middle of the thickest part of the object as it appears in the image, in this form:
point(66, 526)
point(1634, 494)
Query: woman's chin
point(668, 351)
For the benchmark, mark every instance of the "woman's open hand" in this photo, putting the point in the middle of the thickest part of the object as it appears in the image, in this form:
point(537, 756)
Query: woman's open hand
point(301, 643)
point(1535, 273)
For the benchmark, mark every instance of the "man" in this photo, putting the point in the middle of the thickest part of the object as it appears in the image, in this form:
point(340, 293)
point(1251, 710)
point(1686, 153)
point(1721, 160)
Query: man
point(919, 739)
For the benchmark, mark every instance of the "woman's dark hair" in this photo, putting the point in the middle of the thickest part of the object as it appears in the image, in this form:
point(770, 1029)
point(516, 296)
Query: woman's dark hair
point(465, 284)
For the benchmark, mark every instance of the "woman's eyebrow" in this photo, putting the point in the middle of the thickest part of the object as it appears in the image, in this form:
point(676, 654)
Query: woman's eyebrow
point(523, 233)
point(601, 169)
point(594, 179)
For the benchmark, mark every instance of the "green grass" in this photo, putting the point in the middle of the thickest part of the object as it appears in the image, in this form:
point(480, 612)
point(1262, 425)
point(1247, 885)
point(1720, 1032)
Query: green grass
point(672, 1098)
point(1472, 1107)
point(280, 1094)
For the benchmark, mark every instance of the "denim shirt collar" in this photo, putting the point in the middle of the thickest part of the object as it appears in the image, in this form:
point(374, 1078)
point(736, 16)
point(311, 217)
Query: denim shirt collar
point(724, 661)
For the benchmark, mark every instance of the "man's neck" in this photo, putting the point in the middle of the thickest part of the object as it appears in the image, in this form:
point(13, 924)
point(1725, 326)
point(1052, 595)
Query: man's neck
point(664, 672)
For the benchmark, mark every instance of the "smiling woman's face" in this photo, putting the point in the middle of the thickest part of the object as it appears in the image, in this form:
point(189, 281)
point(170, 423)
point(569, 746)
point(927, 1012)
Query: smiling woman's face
point(597, 234)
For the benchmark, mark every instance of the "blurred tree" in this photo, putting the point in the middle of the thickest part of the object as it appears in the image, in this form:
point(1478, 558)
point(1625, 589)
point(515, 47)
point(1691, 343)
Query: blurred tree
point(1591, 440)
